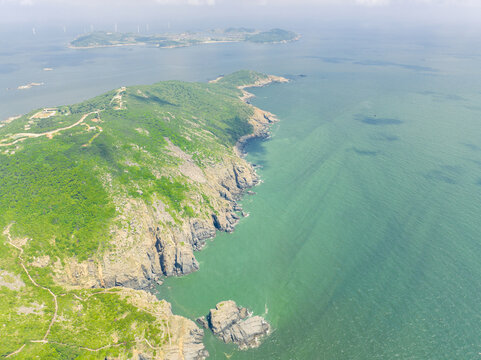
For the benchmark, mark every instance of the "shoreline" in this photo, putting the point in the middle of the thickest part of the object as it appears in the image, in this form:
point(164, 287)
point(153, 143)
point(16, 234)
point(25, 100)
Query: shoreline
point(169, 252)
point(204, 42)
point(262, 119)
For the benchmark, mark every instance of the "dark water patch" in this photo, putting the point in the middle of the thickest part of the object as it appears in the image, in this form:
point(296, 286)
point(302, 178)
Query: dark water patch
point(366, 152)
point(402, 66)
point(473, 107)
point(377, 121)
point(8, 68)
point(385, 137)
point(331, 60)
point(443, 97)
point(453, 169)
point(255, 147)
point(342, 60)
point(478, 182)
point(441, 176)
point(471, 146)
point(295, 76)
point(453, 97)
point(476, 162)
point(335, 60)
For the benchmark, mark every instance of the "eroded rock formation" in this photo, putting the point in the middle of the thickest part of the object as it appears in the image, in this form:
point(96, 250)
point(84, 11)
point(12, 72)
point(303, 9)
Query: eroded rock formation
point(234, 324)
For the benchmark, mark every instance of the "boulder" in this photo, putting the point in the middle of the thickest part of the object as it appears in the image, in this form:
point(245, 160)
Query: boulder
point(232, 323)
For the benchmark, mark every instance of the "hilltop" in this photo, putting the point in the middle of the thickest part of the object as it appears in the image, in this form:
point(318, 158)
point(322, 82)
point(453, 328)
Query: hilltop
point(105, 197)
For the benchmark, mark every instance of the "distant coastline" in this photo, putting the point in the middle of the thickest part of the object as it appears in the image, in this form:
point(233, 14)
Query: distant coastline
point(29, 86)
point(103, 39)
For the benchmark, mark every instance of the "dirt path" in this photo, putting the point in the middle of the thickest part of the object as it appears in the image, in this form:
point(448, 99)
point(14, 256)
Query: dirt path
point(44, 340)
point(16, 351)
point(7, 232)
point(49, 134)
point(54, 318)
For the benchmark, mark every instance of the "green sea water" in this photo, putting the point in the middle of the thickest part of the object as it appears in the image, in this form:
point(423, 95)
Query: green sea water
point(364, 238)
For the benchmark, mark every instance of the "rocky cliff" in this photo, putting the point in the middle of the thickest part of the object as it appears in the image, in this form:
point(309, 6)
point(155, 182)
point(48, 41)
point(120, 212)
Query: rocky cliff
point(102, 199)
point(147, 251)
point(232, 323)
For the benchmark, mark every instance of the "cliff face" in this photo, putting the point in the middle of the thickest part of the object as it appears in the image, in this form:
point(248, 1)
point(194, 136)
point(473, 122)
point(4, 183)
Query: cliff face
point(116, 193)
point(147, 252)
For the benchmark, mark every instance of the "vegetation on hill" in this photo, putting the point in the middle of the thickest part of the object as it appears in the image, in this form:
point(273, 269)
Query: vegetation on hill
point(274, 35)
point(103, 38)
point(60, 177)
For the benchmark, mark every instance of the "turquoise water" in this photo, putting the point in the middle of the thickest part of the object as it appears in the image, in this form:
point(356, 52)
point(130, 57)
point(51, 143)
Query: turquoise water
point(363, 241)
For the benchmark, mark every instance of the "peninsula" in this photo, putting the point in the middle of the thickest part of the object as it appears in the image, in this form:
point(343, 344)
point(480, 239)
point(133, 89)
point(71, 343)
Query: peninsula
point(171, 40)
point(102, 199)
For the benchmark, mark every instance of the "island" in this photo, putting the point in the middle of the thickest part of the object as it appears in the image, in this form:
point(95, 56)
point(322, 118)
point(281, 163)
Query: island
point(100, 200)
point(29, 86)
point(172, 40)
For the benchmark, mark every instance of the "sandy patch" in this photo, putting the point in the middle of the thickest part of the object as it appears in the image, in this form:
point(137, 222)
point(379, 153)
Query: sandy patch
point(44, 114)
point(11, 281)
point(34, 308)
point(41, 261)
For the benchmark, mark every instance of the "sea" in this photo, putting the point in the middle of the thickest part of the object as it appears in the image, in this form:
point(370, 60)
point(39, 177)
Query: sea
point(363, 240)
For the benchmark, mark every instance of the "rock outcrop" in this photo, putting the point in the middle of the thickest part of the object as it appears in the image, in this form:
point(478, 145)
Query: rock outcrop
point(144, 252)
point(184, 337)
point(147, 243)
point(232, 323)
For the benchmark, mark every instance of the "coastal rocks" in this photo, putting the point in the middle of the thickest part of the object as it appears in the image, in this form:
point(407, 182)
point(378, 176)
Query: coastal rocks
point(232, 323)
point(184, 336)
point(177, 260)
point(192, 347)
point(148, 243)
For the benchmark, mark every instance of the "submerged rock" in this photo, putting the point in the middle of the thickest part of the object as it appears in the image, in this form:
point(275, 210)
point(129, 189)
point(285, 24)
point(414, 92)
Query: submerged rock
point(232, 323)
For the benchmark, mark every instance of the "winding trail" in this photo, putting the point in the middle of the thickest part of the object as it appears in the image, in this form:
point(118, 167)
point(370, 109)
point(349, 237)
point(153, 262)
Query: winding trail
point(54, 318)
point(16, 351)
point(44, 340)
point(49, 134)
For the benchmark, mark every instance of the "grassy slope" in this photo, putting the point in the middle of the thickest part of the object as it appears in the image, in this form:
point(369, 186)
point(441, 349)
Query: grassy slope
point(53, 192)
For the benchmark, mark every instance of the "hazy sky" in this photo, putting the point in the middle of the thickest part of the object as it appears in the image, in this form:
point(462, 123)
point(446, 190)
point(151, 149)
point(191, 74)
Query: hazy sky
point(461, 12)
point(455, 3)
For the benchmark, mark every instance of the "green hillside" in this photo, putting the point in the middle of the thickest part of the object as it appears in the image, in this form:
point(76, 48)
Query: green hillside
point(61, 171)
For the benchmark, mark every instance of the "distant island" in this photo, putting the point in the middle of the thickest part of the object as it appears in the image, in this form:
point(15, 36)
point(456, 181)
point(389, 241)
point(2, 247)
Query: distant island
point(29, 86)
point(171, 40)
point(101, 200)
